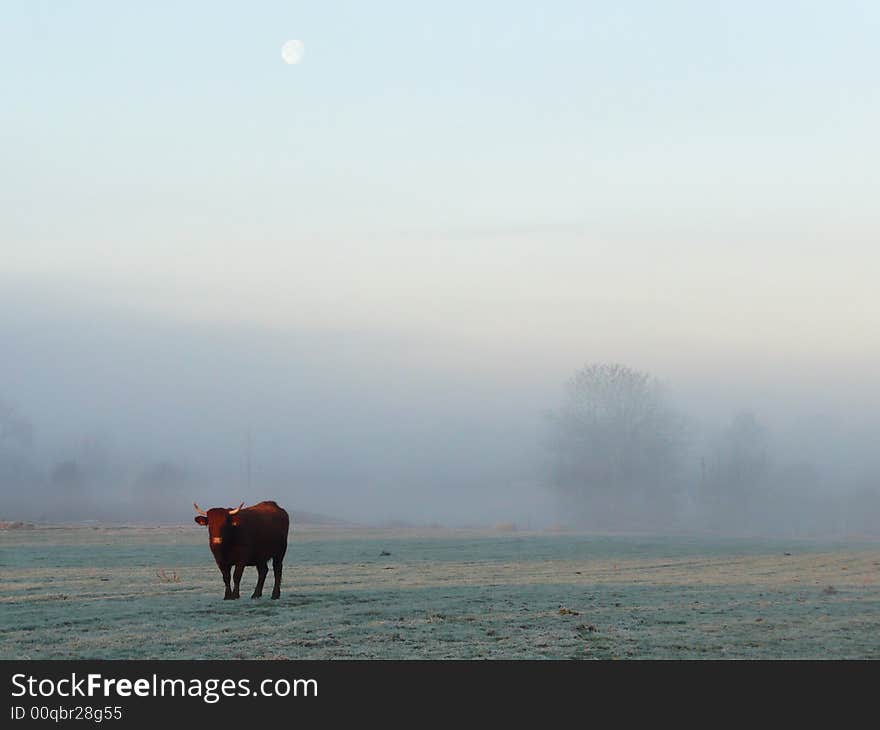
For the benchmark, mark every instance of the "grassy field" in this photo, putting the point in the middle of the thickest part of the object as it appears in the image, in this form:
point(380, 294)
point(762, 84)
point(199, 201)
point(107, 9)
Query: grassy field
point(111, 593)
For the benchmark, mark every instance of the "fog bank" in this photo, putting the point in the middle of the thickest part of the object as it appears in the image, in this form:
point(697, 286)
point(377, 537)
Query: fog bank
point(114, 415)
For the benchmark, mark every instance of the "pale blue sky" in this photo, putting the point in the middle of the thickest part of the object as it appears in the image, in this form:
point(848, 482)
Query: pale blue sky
point(606, 178)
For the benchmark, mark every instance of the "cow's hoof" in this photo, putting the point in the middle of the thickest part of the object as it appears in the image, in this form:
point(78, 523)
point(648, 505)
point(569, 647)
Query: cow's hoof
point(276, 596)
point(228, 597)
point(256, 595)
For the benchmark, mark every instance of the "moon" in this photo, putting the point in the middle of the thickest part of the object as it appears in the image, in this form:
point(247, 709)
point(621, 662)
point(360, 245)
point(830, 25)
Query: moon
point(292, 52)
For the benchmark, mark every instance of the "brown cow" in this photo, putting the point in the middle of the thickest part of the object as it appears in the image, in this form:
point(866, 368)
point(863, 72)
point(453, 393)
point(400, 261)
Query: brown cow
point(250, 536)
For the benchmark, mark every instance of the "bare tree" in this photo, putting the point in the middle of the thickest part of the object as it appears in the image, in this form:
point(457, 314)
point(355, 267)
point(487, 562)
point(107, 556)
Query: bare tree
point(736, 474)
point(18, 476)
point(14, 428)
point(618, 447)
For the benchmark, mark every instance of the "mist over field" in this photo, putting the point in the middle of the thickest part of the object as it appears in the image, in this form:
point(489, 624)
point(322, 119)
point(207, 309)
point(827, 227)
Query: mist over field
point(113, 415)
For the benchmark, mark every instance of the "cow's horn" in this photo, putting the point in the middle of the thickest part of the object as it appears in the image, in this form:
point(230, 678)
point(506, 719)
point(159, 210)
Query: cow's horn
point(200, 510)
point(235, 511)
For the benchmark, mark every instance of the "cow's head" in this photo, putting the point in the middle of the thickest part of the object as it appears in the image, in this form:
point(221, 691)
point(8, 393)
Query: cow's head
point(219, 520)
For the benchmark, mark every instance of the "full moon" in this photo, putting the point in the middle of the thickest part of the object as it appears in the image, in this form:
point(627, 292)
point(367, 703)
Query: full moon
point(293, 51)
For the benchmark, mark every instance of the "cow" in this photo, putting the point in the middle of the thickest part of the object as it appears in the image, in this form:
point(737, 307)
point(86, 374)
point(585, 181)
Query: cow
point(250, 536)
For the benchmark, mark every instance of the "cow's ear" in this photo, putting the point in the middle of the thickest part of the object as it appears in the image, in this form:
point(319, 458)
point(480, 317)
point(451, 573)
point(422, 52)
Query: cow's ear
point(235, 521)
point(201, 519)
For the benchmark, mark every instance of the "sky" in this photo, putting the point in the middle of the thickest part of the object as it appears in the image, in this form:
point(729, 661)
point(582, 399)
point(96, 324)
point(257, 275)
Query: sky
point(484, 194)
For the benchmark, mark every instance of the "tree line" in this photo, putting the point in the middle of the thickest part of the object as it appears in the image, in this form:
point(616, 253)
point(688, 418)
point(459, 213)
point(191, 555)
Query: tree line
point(623, 457)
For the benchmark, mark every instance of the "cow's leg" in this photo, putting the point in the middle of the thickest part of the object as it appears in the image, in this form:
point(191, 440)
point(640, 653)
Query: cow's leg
point(236, 579)
point(225, 570)
point(276, 566)
point(262, 572)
